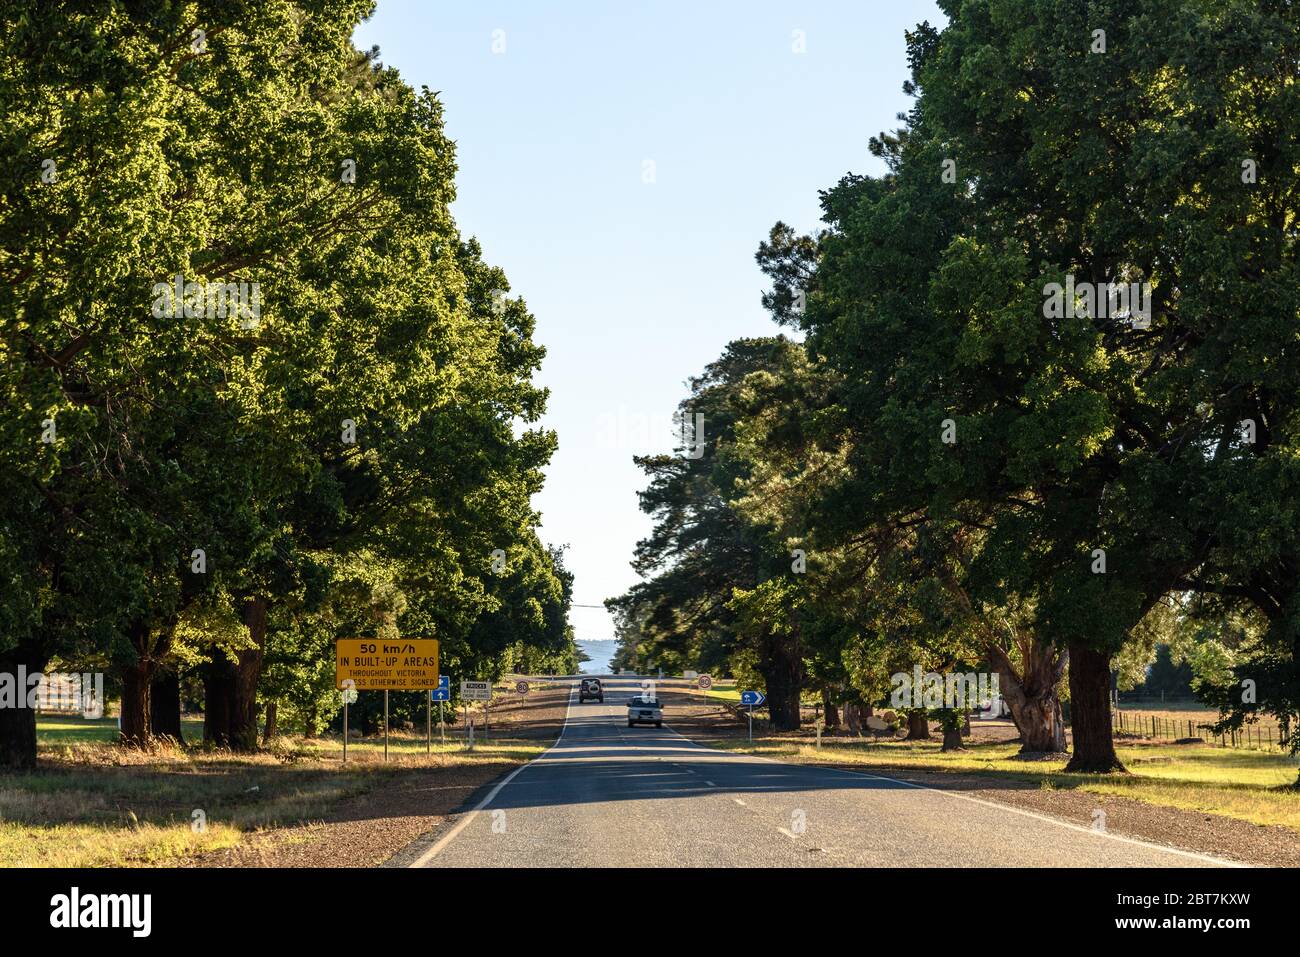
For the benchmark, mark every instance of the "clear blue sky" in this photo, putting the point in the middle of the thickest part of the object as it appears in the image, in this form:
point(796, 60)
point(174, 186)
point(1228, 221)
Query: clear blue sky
point(636, 286)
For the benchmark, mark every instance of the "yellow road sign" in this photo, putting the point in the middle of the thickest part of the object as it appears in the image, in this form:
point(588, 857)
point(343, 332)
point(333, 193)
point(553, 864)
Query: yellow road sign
point(372, 664)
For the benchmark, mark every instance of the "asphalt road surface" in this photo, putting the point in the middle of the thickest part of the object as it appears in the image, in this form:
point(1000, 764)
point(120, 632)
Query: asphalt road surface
point(610, 795)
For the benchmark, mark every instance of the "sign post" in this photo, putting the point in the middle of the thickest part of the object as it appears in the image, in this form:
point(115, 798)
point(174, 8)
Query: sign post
point(753, 699)
point(440, 694)
point(704, 683)
point(372, 664)
point(349, 696)
point(475, 691)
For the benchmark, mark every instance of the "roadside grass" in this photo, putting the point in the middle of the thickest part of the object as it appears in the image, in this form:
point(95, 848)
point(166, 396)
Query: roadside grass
point(74, 729)
point(93, 803)
point(724, 691)
point(730, 691)
point(1253, 786)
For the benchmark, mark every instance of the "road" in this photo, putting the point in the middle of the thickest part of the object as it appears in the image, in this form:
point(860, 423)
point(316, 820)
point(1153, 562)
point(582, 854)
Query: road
point(610, 795)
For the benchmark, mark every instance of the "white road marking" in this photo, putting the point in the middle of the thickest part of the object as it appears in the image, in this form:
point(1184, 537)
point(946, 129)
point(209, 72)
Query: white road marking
point(450, 836)
point(1209, 859)
point(789, 834)
point(464, 822)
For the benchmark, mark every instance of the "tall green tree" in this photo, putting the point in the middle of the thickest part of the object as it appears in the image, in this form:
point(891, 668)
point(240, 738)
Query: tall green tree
point(702, 551)
point(166, 454)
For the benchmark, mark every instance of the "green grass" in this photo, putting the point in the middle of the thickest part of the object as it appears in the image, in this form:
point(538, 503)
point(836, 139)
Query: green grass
point(1254, 786)
point(730, 691)
point(56, 730)
point(724, 691)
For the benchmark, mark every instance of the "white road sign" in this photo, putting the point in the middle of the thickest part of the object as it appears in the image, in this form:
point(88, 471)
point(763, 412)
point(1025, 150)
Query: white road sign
point(476, 691)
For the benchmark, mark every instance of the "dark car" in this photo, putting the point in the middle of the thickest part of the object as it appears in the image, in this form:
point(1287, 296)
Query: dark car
point(590, 688)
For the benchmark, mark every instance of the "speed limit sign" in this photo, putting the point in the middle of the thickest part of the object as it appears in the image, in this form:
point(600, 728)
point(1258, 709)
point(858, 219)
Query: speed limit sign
point(706, 682)
point(521, 687)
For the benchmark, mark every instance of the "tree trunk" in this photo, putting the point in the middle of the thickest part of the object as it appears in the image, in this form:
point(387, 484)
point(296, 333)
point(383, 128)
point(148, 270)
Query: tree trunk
point(1094, 745)
point(18, 723)
point(230, 688)
point(165, 706)
point(1032, 697)
point(137, 683)
point(965, 726)
point(243, 731)
point(18, 738)
point(218, 700)
point(852, 718)
point(1041, 725)
point(269, 732)
point(831, 710)
point(952, 738)
point(783, 672)
point(918, 725)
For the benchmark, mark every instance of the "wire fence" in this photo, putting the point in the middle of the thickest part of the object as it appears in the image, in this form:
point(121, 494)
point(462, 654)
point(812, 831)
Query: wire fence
point(1165, 727)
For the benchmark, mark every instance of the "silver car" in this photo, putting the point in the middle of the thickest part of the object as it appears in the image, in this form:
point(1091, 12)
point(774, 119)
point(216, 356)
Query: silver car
point(644, 710)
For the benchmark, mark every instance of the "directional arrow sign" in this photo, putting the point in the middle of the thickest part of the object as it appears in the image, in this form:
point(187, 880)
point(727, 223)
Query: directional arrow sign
point(443, 691)
point(752, 699)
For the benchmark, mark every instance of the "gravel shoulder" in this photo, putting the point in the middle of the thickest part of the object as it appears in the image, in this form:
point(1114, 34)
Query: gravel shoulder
point(409, 798)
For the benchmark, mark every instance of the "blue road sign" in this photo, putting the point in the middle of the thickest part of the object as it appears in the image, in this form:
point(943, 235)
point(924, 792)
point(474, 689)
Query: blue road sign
point(752, 699)
point(443, 691)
